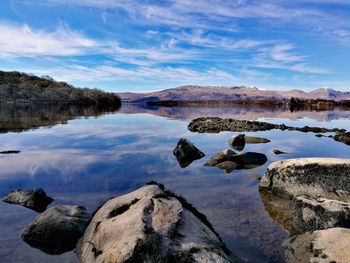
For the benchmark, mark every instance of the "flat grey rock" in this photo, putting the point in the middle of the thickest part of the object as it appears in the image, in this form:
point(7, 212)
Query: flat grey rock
point(36, 200)
point(323, 246)
point(316, 177)
point(58, 229)
point(311, 214)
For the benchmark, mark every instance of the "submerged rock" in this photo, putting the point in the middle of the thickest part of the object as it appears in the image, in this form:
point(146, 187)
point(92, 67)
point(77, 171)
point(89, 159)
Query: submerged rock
point(216, 124)
point(279, 209)
point(10, 152)
point(322, 246)
point(275, 151)
point(219, 157)
point(237, 142)
point(58, 229)
point(185, 153)
point(343, 137)
point(36, 200)
point(151, 224)
point(326, 177)
point(231, 161)
point(254, 176)
point(227, 166)
point(311, 214)
point(251, 139)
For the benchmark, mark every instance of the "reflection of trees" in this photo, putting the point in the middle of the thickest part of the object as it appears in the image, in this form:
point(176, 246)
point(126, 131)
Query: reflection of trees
point(22, 117)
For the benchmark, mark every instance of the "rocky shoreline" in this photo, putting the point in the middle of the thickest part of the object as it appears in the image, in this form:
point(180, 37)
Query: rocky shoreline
point(308, 197)
point(320, 207)
point(216, 124)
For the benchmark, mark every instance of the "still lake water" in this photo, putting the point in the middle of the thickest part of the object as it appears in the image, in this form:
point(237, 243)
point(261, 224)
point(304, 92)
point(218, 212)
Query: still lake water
point(86, 160)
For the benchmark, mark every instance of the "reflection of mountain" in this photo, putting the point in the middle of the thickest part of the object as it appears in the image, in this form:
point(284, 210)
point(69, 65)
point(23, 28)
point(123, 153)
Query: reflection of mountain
point(242, 113)
point(21, 117)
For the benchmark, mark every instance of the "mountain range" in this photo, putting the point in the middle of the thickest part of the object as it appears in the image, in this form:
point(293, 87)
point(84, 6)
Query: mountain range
point(222, 93)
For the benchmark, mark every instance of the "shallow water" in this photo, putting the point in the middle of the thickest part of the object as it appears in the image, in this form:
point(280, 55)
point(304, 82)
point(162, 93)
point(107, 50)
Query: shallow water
point(86, 161)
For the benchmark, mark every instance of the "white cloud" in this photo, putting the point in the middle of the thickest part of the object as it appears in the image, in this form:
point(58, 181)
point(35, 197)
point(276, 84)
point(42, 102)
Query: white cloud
point(107, 73)
point(282, 56)
point(24, 41)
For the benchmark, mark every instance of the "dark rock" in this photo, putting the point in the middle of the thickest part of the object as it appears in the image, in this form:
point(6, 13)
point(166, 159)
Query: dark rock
point(10, 152)
point(58, 229)
point(249, 158)
point(36, 200)
point(216, 124)
point(311, 214)
point(185, 153)
point(275, 151)
point(237, 142)
point(343, 137)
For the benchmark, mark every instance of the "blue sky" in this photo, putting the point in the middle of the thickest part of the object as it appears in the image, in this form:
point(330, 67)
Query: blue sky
point(151, 45)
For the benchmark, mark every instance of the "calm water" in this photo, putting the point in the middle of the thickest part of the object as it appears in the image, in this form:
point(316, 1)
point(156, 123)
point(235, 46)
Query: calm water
point(87, 160)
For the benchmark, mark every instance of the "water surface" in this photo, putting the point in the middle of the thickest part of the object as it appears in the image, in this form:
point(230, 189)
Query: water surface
point(85, 160)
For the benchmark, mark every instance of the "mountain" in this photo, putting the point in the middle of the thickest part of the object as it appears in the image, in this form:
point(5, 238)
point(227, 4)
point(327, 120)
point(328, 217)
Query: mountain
point(21, 87)
point(221, 93)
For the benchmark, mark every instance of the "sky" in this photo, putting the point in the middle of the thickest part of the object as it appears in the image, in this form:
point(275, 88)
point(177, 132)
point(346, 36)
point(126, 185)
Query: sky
point(147, 45)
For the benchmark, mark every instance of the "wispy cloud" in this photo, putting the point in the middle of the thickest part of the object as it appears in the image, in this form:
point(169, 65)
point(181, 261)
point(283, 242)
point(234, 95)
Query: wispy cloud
point(224, 15)
point(178, 41)
point(24, 41)
point(282, 56)
point(108, 73)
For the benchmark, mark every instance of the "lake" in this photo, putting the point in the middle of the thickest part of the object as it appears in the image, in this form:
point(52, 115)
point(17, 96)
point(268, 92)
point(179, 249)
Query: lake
point(86, 156)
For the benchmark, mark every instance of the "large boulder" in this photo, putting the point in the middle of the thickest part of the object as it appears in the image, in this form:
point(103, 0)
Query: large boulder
point(36, 200)
point(311, 214)
point(150, 224)
point(185, 153)
point(237, 142)
point(323, 246)
point(58, 229)
point(316, 177)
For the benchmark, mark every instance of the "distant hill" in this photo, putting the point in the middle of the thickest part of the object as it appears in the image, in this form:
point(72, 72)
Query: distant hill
point(221, 93)
point(21, 87)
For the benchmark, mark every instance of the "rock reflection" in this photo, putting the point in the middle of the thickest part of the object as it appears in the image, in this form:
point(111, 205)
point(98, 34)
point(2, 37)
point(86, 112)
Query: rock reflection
point(22, 117)
point(279, 209)
point(228, 161)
